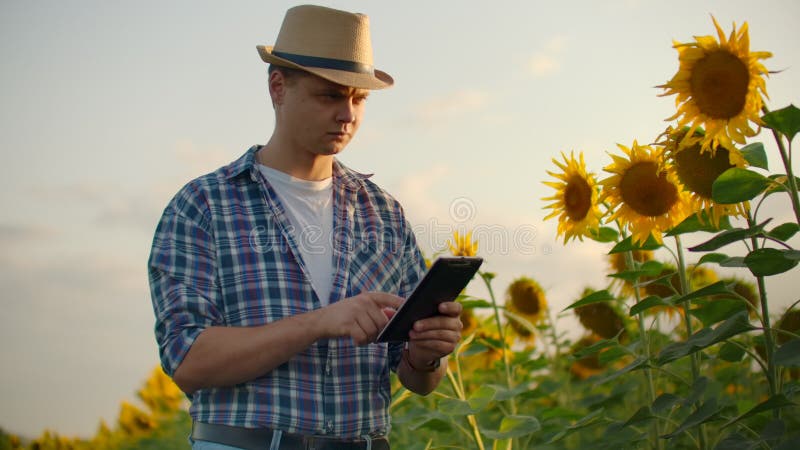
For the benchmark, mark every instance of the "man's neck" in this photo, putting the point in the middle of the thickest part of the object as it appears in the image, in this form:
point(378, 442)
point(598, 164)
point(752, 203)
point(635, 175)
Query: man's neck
point(303, 165)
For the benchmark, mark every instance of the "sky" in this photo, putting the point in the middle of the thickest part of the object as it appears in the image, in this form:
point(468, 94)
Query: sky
point(109, 107)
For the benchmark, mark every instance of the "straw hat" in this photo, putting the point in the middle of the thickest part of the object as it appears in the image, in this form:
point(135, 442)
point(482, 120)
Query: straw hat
point(329, 43)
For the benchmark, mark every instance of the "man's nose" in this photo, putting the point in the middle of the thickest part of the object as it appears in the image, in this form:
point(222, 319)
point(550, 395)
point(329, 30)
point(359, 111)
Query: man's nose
point(347, 112)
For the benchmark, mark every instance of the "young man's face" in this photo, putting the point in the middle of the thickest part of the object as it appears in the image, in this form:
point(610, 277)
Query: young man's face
point(319, 116)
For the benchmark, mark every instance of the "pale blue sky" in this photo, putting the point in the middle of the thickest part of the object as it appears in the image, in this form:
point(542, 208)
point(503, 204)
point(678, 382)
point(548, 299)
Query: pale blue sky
point(109, 107)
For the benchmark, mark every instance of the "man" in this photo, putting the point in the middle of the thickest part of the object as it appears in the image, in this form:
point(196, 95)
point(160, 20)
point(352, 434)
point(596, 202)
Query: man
point(272, 276)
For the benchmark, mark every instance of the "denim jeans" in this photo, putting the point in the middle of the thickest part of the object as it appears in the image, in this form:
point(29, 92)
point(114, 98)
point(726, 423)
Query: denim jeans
point(205, 445)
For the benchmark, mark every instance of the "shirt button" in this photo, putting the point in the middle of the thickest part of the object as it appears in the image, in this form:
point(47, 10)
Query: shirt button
point(330, 425)
point(327, 369)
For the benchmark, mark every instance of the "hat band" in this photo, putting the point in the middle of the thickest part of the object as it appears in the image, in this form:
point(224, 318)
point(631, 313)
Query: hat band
point(326, 63)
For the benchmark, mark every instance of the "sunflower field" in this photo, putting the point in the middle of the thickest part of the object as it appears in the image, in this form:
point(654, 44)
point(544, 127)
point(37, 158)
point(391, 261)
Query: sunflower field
point(673, 356)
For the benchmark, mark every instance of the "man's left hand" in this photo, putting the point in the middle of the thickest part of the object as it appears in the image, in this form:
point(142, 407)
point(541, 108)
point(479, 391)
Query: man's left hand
point(435, 337)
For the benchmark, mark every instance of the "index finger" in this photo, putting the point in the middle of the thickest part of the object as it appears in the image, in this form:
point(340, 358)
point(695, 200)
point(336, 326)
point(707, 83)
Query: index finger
point(386, 300)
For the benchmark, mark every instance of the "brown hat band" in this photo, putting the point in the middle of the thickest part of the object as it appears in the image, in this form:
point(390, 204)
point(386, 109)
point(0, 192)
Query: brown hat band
point(326, 63)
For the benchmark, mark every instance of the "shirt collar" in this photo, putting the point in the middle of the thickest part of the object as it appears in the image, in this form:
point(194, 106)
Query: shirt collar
point(349, 178)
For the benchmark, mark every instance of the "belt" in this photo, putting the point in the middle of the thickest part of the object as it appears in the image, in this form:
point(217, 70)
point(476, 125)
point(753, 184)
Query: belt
point(260, 439)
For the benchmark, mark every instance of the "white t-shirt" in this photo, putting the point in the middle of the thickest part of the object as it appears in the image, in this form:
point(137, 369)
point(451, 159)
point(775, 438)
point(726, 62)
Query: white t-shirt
point(309, 206)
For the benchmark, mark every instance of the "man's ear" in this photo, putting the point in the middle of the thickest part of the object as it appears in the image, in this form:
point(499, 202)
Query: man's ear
point(277, 87)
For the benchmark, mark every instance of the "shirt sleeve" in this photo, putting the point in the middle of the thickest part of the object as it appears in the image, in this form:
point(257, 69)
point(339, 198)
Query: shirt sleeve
point(183, 286)
point(414, 268)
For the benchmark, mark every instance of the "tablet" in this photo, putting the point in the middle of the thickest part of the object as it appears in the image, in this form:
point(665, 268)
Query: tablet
point(446, 278)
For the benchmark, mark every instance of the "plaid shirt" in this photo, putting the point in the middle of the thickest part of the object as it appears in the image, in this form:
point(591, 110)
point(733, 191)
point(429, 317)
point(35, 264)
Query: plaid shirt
point(224, 254)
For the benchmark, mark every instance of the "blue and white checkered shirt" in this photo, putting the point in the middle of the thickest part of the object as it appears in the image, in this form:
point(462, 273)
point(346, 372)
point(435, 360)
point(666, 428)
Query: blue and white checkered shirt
point(224, 255)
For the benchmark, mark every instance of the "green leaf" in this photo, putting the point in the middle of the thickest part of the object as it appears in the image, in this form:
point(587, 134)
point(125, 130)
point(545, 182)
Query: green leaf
point(481, 398)
point(627, 245)
point(665, 402)
point(755, 155)
point(786, 121)
point(734, 261)
point(780, 183)
point(649, 302)
point(717, 310)
point(729, 236)
point(737, 185)
point(594, 348)
point(718, 288)
point(604, 234)
point(643, 414)
point(706, 413)
point(737, 324)
point(768, 261)
point(588, 420)
point(513, 426)
point(698, 389)
point(784, 231)
point(594, 297)
point(455, 407)
point(712, 258)
point(638, 363)
point(731, 352)
point(774, 402)
point(788, 355)
point(699, 222)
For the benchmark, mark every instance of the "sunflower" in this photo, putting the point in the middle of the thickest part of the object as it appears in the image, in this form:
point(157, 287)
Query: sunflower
point(746, 290)
point(719, 84)
point(575, 198)
point(469, 321)
point(697, 171)
point(589, 365)
point(525, 298)
point(646, 198)
point(463, 245)
point(602, 319)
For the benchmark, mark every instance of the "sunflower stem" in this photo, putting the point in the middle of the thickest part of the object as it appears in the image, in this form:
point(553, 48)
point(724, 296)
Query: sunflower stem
point(501, 331)
point(769, 339)
point(645, 340)
point(459, 390)
point(695, 357)
point(786, 158)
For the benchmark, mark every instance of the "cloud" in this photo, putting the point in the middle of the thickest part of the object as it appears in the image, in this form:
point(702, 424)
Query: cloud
point(548, 60)
point(453, 104)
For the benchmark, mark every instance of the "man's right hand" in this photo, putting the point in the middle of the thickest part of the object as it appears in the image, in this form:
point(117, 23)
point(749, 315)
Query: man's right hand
point(361, 317)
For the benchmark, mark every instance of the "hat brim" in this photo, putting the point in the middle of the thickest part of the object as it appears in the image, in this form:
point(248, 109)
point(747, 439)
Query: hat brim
point(376, 80)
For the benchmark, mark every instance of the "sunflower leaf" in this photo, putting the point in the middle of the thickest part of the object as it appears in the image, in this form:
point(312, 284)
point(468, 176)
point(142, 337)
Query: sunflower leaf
point(627, 245)
point(638, 363)
point(475, 303)
point(737, 185)
point(788, 355)
point(594, 297)
point(514, 426)
point(733, 261)
point(665, 402)
point(603, 234)
point(774, 402)
point(650, 302)
point(707, 412)
point(769, 261)
point(786, 121)
point(731, 352)
point(584, 422)
point(780, 183)
point(736, 324)
point(596, 347)
point(755, 155)
point(699, 222)
point(729, 236)
point(643, 414)
point(718, 288)
point(718, 309)
point(784, 231)
point(713, 258)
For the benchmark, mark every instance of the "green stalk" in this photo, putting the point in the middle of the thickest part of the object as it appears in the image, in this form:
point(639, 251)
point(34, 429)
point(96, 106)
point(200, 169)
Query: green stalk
point(459, 390)
point(769, 339)
point(645, 339)
point(695, 357)
point(786, 157)
point(512, 403)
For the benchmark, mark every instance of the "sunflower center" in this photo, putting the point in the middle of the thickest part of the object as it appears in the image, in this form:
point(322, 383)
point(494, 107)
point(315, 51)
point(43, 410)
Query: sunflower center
point(577, 198)
point(526, 300)
point(719, 84)
point(697, 170)
point(647, 191)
